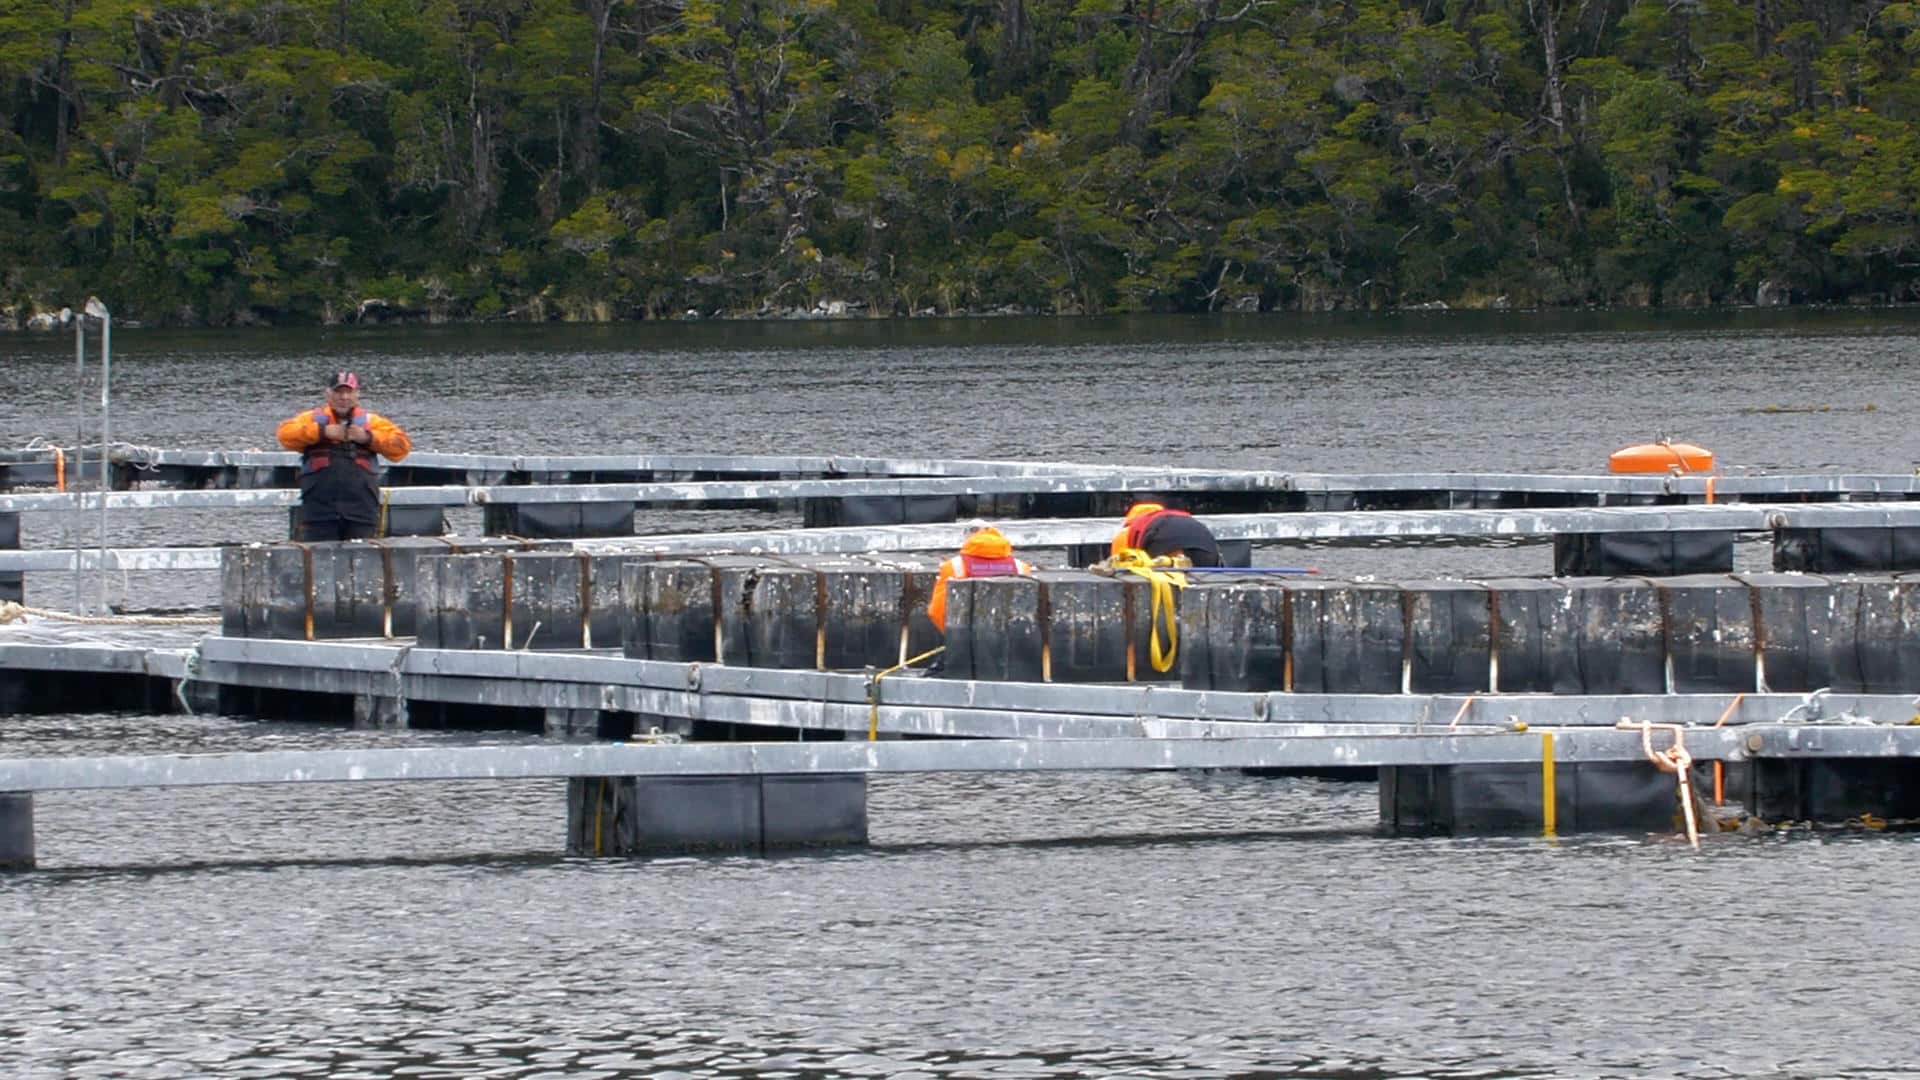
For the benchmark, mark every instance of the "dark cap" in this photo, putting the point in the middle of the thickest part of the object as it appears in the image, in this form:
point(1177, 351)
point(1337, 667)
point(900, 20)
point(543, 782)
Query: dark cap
point(344, 378)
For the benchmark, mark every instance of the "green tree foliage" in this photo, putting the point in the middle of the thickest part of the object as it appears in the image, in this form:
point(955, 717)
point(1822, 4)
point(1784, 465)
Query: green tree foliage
point(229, 161)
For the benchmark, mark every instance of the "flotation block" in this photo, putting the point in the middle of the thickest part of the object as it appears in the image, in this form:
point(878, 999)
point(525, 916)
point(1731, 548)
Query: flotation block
point(1660, 457)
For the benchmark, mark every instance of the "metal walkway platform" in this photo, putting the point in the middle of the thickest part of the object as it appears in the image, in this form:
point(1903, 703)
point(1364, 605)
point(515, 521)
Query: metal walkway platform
point(1408, 525)
point(1439, 756)
point(724, 478)
point(990, 755)
point(850, 702)
point(1499, 762)
point(167, 467)
point(1398, 525)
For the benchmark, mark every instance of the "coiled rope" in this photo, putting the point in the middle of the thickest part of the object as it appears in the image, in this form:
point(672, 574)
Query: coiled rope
point(138, 455)
point(1163, 575)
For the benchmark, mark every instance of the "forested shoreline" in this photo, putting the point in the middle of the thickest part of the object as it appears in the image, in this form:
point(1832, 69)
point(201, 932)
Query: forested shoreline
point(321, 161)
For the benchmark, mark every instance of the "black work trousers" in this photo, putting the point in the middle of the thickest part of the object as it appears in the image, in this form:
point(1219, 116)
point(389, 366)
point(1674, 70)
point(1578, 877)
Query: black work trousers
point(335, 529)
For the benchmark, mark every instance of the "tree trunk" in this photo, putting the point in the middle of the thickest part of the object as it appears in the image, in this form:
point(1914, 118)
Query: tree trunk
point(63, 111)
point(1016, 39)
point(1545, 20)
point(1143, 83)
point(482, 186)
point(585, 163)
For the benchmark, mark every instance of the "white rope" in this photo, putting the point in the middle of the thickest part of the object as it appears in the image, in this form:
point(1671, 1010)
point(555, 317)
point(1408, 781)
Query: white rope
point(1812, 710)
point(12, 612)
point(147, 459)
point(191, 673)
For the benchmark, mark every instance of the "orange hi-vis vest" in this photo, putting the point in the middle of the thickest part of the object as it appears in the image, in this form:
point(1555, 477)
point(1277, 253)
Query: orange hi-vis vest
point(319, 456)
point(984, 554)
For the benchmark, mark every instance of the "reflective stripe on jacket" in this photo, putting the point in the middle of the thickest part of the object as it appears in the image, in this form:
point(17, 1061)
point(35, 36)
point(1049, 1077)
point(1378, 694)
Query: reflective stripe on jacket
point(338, 480)
point(986, 553)
point(320, 454)
point(304, 431)
point(980, 566)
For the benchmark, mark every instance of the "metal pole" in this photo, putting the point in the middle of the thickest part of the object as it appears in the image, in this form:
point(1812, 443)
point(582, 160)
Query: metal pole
point(99, 311)
point(79, 439)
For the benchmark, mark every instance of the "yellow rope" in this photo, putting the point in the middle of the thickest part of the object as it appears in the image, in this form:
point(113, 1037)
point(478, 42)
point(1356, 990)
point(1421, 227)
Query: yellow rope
point(12, 612)
point(1163, 575)
point(873, 690)
point(599, 802)
point(386, 496)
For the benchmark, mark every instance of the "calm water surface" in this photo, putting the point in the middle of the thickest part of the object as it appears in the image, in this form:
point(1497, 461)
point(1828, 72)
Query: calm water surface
point(1191, 925)
point(1443, 392)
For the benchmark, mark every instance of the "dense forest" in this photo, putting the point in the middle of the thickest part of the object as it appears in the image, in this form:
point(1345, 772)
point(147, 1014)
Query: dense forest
point(286, 161)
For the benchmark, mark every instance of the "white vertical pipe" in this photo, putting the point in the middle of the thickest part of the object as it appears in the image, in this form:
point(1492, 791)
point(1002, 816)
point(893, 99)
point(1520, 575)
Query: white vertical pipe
point(106, 439)
point(79, 440)
point(99, 311)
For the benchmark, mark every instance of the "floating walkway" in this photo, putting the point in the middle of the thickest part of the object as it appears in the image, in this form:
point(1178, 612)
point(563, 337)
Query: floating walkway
point(129, 465)
point(1449, 763)
point(523, 494)
point(1617, 523)
point(1819, 538)
point(733, 690)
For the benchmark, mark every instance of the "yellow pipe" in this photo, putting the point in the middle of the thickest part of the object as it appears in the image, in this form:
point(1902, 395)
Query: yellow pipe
point(1548, 796)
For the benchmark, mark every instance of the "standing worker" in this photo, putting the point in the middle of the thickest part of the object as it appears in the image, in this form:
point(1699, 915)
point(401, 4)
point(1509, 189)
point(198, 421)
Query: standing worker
point(1158, 531)
point(339, 477)
point(986, 552)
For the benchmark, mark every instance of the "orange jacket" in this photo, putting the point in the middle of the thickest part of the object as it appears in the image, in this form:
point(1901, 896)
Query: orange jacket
point(985, 553)
point(301, 432)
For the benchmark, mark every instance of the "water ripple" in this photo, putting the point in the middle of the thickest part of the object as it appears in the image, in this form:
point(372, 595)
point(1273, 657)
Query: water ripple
point(1104, 925)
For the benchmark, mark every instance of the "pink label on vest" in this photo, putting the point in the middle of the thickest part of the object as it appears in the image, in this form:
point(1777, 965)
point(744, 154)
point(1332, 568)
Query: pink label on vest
point(975, 566)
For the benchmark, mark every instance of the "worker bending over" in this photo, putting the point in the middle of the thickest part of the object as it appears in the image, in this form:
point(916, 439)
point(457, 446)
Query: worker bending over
point(1158, 531)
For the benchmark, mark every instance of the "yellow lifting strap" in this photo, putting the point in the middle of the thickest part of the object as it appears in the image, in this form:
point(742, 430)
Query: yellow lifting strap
point(873, 689)
point(1163, 575)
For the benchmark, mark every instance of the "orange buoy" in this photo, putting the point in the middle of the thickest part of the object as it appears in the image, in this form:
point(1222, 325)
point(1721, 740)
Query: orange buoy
point(1660, 457)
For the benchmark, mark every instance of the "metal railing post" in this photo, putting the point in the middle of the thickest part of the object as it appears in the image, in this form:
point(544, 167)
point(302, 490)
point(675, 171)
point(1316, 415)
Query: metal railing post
point(99, 311)
point(74, 520)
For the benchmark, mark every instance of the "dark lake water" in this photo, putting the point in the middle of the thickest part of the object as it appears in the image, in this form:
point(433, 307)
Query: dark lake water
point(1112, 925)
point(1458, 392)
